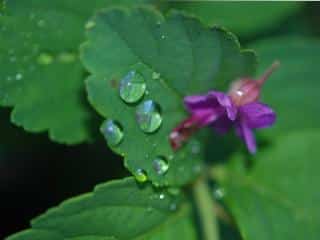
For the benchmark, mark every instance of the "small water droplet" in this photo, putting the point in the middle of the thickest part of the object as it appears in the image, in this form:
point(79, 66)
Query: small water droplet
point(140, 175)
point(41, 23)
point(170, 157)
point(160, 165)
point(19, 76)
point(148, 116)
point(90, 24)
point(112, 131)
point(149, 209)
point(163, 36)
point(195, 147)
point(162, 196)
point(174, 191)
point(12, 59)
point(132, 87)
point(67, 57)
point(44, 59)
point(173, 207)
point(219, 193)
point(155, 75)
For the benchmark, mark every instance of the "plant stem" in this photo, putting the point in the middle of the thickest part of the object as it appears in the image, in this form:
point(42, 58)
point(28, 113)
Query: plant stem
point(205, 207)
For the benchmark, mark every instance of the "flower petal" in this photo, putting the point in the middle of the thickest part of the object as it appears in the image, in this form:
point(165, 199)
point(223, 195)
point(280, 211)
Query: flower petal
point(225, 101)
point(257, 115)
point(222, 125)
point(247, 135)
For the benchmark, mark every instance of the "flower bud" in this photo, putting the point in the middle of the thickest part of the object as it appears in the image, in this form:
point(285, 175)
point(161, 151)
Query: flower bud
point(246, 90)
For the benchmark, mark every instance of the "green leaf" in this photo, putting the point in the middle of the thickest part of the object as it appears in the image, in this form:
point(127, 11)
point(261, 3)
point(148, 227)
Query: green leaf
point(277, 199)
point(41, 76)
point(117, 210)
point(176, 56)
point(244, 18)
point(293, 88)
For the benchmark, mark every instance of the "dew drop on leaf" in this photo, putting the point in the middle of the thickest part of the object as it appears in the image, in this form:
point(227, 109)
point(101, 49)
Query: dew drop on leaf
point(132, 87)
point(19, 76)
point(155, 75)
point(161, 196)
point(160, 165)
point(148, 116)
point(44, 59)
point(218, 193)
point(90, 24)
point(173, 207)
point(112, 131)
point(140, 175)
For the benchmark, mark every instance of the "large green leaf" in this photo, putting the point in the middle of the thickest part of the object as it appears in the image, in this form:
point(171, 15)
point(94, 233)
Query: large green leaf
point(277, 199)
point(117, 210)
point(244, 18)
point(176, 56)
point(41, 75)
point(293, 89)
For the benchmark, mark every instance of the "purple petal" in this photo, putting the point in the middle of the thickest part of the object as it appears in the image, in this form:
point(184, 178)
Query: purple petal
point(205, 117)
point(222, 125)
point(257, 115)
point(225, 101)
point(247, 135)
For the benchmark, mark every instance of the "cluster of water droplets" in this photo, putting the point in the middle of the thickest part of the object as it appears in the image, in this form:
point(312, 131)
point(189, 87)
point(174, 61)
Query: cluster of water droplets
point(132, 89)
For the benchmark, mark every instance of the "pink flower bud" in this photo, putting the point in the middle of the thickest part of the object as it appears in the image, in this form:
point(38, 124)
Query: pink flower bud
point(246, 90)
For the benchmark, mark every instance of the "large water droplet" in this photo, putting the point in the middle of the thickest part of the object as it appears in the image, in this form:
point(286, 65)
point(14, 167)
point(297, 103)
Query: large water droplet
point(132, 87)
point(160, 165)
point(140, 175)
point(148, 116)
point(112, 131)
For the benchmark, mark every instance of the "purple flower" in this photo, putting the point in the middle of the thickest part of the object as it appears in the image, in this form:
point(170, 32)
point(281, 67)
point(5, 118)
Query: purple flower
point(239, 108)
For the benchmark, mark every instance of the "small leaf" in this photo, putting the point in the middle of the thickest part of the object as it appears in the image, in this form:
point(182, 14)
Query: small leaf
point(238, 17)
point(175, 56)
point(292, 90)
point(278, 198)
point(117, 210)
point(41, 76)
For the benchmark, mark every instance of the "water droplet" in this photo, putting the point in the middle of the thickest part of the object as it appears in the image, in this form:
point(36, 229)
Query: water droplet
point(149, 209)
point(41, 23)
point(174, 191)
point(155, 75)
point(195, 147)
point(162, 196)
point(112, 132)
point(132, 87)
point(44, 59)
point(67, 57)
point(148, 116)
point(163, 36)
point(140, 175)
point(90, 24)
point(170, 157)
point(12, 59)
point(19, 76)
point(173, 207)
point(219, 193)
point(160, 165)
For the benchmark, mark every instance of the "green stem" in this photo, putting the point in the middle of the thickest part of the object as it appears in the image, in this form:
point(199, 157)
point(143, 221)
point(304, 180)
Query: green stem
point(205, 207)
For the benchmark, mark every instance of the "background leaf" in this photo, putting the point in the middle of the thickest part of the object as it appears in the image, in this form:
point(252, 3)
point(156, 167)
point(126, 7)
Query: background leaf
point(117, 210)
point(243, 18)
point(43, 77)
point(277, 199)
point(176, 56)
point(293, 88)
